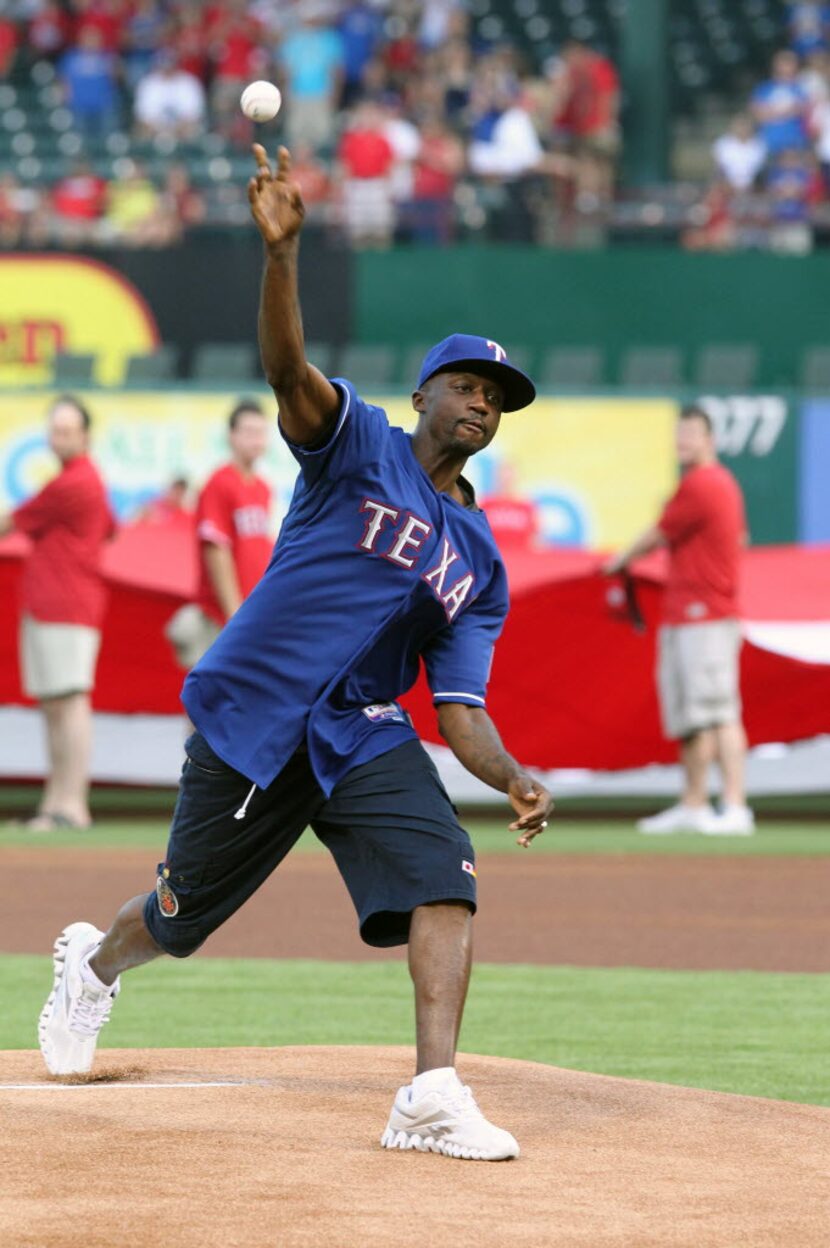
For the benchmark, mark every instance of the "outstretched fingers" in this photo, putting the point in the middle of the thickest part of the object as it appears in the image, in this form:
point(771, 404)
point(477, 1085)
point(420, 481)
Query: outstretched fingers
point(283, 164)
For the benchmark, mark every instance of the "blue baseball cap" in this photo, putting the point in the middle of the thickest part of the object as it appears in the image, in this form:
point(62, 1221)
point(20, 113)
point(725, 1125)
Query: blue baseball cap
point(467, 352)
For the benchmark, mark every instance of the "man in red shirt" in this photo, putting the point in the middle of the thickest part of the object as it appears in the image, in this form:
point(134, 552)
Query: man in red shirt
point(63, 603)
point(704, 527)
point(366, 159)
point(233, 531)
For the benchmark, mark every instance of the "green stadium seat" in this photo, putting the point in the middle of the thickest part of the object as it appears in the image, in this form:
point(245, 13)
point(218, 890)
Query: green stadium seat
point(572, 368)
point(367, 364)
point(652, 368)
point(725, 366)
point(225, 362)
point(73, 369)
point(158, 365)
point(814, 369)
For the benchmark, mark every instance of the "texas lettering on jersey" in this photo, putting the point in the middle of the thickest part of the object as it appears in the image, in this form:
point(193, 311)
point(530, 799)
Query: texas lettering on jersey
point(400, 541)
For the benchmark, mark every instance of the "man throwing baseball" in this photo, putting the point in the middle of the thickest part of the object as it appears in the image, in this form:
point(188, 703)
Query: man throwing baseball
point(384, 559)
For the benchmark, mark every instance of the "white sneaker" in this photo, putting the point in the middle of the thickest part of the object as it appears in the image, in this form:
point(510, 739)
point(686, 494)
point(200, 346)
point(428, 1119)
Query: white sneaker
point(731, 821)
point(678, 818)
point(76, 1010)
point(447, 1121)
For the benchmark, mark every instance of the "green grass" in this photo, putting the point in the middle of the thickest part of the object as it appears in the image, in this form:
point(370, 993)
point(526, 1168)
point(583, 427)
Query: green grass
point(755, 1033)
point(562, 837)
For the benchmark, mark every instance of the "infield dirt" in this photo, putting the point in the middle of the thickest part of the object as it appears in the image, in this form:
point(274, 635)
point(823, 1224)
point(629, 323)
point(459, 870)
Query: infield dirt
point(289, 1155)
point(686, 913)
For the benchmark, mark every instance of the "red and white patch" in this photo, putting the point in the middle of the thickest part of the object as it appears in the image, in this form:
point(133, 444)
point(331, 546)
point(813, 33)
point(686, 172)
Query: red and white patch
point(167, 899)
point(468, 867)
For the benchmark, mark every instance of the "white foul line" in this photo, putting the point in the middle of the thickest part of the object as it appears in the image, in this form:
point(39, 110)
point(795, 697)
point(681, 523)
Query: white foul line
point(114, 1083)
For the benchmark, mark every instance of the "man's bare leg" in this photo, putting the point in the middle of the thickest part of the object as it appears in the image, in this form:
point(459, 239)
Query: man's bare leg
point(730, 740)
point(440, 956)
point(69, 745)
point(126, 944)
point(697, 752)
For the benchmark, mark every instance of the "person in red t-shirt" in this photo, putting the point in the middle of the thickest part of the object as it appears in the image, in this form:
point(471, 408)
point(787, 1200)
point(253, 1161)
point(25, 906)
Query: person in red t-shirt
point(233, 531)
point(366, 158)
point(704, 527)
point(589, 119)
point(63, 603)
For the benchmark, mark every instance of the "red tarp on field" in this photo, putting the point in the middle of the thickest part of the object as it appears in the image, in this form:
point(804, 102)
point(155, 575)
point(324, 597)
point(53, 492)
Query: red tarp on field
point(572, 682)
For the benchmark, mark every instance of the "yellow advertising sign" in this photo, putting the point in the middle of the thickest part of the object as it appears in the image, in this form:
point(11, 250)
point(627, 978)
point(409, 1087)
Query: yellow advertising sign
point(596, 471)
point(51, 304)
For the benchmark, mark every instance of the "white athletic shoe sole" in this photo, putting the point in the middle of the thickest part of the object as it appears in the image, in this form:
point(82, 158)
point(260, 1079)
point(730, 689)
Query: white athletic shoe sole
point(66, 1052)
point(406, 1140)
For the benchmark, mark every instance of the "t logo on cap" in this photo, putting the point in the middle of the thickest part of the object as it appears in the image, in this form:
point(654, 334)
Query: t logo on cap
point(498, 351)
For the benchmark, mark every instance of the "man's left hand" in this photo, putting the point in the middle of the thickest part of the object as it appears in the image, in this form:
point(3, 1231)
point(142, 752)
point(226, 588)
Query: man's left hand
point(533, 804)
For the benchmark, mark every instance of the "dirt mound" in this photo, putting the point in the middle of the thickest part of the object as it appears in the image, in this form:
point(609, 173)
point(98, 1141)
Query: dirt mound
point(277, 1148)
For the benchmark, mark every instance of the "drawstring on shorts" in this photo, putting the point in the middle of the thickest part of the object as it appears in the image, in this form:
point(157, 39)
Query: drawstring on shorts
point(243, 809)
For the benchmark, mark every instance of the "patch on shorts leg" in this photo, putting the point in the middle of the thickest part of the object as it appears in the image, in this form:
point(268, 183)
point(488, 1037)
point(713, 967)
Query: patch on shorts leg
point(167, 899)
point(468, 867)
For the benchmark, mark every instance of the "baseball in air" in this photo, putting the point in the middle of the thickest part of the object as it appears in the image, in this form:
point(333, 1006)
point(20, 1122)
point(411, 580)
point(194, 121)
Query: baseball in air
point(261, 101)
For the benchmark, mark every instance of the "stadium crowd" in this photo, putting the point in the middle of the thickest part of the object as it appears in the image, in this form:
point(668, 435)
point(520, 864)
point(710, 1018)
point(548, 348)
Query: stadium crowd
point(772, 166)
point(402, 122)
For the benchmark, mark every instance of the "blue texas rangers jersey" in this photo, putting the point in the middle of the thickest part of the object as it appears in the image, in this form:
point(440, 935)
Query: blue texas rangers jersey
point(374, 568)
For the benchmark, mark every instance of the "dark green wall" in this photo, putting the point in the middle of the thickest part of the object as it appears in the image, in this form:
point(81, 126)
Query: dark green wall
point(615, 299)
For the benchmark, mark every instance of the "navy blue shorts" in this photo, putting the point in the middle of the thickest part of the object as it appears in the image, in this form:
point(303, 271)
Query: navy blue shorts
point(389, 824)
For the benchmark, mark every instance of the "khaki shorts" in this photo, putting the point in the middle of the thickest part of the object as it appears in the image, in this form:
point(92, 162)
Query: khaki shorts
point(698, 676)
point(57, 659)
point(191, 632)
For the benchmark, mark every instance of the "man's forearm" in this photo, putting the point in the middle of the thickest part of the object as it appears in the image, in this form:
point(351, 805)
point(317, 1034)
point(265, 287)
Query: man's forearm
point(644, 545)
point(6, 523)
point(474, 740)
point(281, 343)
point(223, 578)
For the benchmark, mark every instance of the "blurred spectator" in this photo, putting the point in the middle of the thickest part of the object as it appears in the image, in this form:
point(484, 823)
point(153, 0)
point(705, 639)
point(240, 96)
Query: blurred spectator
point(809, 26)
point(361, 27)
point(49, 31)
point(366, 158)
point(77, 205)
point(312, 59)
point(455, 68)
point(88, 73)
point(820, 120)
point(312, 177)
point(9, 41)
point(589, 118)
point(512, 516)
point(133, 206)
point(715, 228)
point(505, 144)
point(106, 16)
point(815, 75)
point(144, 34)
point(180, 207)
point(405, 142)
point(169, 100)
point(400, 56)
point(780, 106)
point(739, 154)
point(171, 508)
point(189, 40)
point(234, 38)
point(791, 186)
point(441, 20)
point(439, 164)
point(13, 210)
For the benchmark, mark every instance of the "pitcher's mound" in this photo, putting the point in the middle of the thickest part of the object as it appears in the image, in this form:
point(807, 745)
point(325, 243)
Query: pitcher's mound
point(272, 1148)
